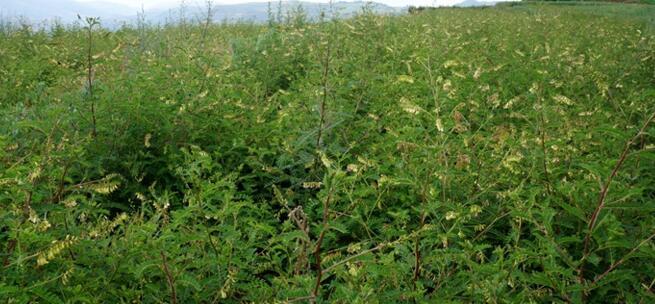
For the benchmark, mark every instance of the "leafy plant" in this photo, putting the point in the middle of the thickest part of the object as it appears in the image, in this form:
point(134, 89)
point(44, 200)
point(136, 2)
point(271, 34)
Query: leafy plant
point(503, 154)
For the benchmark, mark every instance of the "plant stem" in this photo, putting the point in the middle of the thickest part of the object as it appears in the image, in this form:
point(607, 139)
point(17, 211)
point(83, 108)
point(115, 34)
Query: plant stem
point(319, 242)
point(622, 260)
point(89, 77)
point(417, 241)
point(169, 278)
point(603, 195)
point(352, 257)
point(326, 70)
point(542, 119)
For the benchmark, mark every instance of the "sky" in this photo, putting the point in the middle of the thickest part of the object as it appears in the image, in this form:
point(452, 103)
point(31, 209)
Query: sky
point(149, 4)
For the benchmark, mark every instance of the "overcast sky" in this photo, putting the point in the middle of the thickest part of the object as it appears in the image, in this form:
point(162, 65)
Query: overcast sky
point(173, 3)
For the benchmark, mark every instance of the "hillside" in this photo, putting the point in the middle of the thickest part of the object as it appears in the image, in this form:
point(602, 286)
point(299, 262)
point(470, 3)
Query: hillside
point(65, 10)
point(259, 12)
point(474, 3)
point(113, 14)
point(503, 154)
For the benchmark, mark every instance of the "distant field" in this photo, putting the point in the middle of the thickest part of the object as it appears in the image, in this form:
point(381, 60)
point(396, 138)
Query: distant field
point(479, 155)
point(640, 10)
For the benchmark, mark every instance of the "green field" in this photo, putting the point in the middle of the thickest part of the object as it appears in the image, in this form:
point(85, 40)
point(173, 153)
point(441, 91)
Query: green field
point(495, 155)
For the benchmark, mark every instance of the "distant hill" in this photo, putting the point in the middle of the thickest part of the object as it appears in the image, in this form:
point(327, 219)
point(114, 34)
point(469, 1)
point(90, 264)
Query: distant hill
point(475, 3)
point(113, 14)
point(64, 10)
point(259, 11)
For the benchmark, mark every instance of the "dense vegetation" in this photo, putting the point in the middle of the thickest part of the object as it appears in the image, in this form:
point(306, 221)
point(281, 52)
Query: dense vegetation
point(468, 155)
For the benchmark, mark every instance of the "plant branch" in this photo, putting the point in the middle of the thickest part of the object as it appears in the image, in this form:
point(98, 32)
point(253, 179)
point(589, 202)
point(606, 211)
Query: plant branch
point(326, 70)
point(603, 195)
point(622, 260)
point(352, 257)
point(169, 278)
point(319, 242)
point(417, 241)
point(544, 150)
point(89, 76)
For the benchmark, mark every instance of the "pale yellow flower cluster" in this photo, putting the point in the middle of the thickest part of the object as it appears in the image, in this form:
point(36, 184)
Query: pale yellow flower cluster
point(51, 253)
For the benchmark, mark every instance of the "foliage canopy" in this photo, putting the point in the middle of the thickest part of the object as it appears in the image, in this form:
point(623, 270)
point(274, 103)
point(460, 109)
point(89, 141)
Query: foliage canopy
point(469, 155)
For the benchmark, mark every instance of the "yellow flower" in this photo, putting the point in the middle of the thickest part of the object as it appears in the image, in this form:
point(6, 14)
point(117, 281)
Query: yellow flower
point(146, 140)
point(475, 210)
point(312, 185)
point(408, 106)
point(41, 260)
point(563, 100)
point(405, 78)
point(451, 215)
